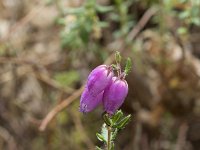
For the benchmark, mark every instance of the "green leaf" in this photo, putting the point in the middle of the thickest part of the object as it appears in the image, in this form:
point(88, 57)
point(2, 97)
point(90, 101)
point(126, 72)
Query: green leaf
point(196, 21)
point(184, 14)
point(107, 120)
point(114, 17)
point(114, 134)
point(104, 131)
point(182, 30)
point(98, 148)
point(118, 57)
point(104, 9)
point(122, 123)
point(128, 66)
point(79, 10)
point(114, 66)
point(117, 116)
point(100, 137)
point(103, 24)
point(113, 146)
point(61, 21)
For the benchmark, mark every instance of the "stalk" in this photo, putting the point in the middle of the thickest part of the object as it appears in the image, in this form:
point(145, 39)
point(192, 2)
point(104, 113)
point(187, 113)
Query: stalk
point(109, 138)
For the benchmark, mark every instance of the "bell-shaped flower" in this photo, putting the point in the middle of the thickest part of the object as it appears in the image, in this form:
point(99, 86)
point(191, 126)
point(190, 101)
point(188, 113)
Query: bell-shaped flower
point(114, 95)
point(89, 102)
point(99, 79)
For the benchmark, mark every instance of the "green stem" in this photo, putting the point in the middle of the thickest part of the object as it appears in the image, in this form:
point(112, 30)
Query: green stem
point(109, 138)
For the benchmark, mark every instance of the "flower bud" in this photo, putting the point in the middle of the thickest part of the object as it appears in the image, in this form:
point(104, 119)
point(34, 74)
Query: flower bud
point(99, 79)
point(114, 95)
point(89, 102)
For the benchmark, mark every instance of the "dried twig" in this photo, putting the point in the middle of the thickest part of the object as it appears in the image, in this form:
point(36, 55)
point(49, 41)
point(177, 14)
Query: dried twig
point(45, 78)
point(142, 22)
point(59, 107)
point(27, 67)
point(120, 44)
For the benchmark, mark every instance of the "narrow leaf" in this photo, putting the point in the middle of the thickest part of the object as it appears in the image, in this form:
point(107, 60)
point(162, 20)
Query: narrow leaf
point(107, 120)
point(74, 10)
point(114, 66)
point(100, 137)
point(104, 132)
point(61, 21)
point(103, 24)
point(128, 66)
point(114, 134)
point(103, 9)
point(113, 146)
point(117, 116)
point(98, 148)
point(122, 123)
point(118, 57)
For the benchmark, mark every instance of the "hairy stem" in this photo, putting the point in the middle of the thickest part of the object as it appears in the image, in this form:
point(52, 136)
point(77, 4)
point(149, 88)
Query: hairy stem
point(109, 138)
point(118, 70)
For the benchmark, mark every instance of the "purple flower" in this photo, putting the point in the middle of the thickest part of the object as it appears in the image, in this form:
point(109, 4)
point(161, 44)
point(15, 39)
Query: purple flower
point(99, 79)
point(89, 102)
point(102, 86)
point(114, 95)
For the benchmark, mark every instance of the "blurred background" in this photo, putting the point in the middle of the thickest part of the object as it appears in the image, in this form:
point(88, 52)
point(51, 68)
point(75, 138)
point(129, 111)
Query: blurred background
point(48, 48)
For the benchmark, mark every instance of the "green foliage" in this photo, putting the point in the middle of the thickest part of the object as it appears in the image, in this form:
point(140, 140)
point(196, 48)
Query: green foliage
point(82, 25)
point(182, 30)
point(117, 116)
point(98, 148)
point(84, 22)
point(118, 57)
point(114, 66)
point(67, 78)
point(112, 125)
point(107, 120)
point(103, 9)
point(187, 13)
point(121, 16)
point(100, 137)
point(128, 66)
point(62, 118)
point(123, 122)
point(104, 132)
point(191, 13)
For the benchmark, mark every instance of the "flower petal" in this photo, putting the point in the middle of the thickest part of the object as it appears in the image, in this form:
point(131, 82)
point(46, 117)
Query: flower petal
point(114, 95)
point(89, 102)
point(99, 79)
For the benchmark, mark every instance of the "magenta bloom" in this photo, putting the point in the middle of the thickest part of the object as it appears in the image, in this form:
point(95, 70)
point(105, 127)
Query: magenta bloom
point(89, 102)
point(102, 86)
point(114, 95)
point(99, 79)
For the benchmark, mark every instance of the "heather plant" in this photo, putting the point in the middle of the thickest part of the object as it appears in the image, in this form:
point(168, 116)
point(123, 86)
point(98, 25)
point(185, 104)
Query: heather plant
point(106, 85)
point(82, 24)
